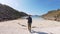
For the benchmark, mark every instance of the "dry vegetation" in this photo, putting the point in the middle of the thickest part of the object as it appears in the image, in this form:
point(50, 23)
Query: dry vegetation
point(53, 15)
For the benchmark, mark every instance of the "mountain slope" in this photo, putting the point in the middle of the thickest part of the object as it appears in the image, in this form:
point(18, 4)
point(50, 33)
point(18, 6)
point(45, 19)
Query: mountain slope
point(52, 15)
point(8, 13)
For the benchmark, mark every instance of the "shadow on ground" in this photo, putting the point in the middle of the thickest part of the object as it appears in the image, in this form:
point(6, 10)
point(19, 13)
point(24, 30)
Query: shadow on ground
point(22, 25)
point(38, 32)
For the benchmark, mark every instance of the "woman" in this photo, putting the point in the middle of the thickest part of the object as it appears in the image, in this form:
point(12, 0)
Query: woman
point(29, 23)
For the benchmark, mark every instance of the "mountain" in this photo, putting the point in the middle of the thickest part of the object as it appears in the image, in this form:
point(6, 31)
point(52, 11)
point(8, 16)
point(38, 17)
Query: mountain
point(52, 15)
point(8, 13)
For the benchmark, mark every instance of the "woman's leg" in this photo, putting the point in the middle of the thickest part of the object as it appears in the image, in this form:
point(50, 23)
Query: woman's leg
point(29, 27)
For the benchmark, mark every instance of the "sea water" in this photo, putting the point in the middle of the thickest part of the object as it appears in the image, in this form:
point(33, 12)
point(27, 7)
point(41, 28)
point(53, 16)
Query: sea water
point(34, 17)
point(37, 17)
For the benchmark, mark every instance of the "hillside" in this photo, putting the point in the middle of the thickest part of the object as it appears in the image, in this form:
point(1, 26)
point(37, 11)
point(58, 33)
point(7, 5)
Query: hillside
point(52, 15)
point(8, 13)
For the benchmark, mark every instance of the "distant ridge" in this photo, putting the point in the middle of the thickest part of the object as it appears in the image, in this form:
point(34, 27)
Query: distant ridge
point(8, 13)
point(52, 15)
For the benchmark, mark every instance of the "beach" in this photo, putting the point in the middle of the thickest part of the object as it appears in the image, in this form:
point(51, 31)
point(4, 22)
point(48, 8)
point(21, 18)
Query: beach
point(19, 26)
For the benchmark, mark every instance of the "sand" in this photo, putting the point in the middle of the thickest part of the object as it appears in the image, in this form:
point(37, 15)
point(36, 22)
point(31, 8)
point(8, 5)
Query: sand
point(19, 26)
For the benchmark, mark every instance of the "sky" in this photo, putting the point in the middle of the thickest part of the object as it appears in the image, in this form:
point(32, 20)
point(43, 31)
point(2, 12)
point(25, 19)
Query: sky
point(33, 7)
